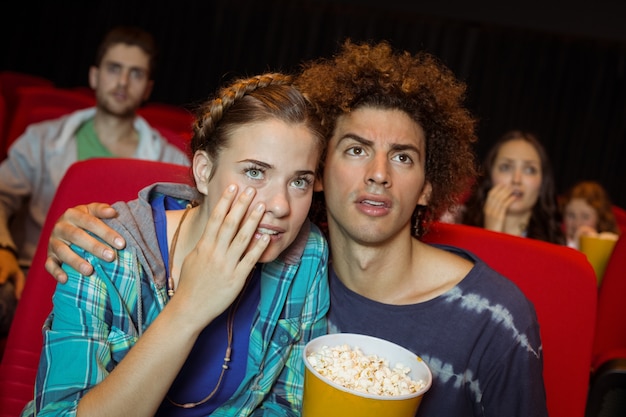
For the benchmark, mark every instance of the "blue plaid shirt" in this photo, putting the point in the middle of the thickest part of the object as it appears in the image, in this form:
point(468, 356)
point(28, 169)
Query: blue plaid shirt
point(95, 322)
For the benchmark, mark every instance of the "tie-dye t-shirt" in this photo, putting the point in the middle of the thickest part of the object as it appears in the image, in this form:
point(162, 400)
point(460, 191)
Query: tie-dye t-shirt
point(480, 339)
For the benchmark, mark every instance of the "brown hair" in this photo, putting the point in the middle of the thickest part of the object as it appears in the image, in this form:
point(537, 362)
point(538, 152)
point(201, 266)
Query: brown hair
point(133, 36)
point(596, 196)
point(250, 100)
point(373, 75)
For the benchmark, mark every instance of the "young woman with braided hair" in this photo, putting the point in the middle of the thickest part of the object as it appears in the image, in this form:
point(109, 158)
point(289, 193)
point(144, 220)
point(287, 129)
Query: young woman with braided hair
point(220, 286)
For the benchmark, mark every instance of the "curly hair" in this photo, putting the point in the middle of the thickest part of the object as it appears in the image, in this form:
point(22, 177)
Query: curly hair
point(544, 223)
point(374, 75)
point(596, 196)
point(250, 100)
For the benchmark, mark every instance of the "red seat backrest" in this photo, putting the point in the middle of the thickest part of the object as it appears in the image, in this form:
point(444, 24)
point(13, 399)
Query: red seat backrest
point(610, 339)
point(31, 99)
point(103, 180)
point(173, 122)
point(3, 120)
point(175, 118)
point(10, 83)
point(620, 217)
point(561, 284)
point(182, 140)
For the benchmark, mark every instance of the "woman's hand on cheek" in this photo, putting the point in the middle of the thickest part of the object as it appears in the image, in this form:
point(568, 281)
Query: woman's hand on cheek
point(499, 198)
point(214, 272)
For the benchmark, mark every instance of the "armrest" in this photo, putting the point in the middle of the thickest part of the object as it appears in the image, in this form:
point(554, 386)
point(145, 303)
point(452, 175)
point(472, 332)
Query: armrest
point(607, 388)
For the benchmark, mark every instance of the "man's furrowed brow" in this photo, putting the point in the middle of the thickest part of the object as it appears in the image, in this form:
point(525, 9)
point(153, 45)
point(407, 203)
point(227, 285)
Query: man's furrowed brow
point(356, 138)
point(405, 147)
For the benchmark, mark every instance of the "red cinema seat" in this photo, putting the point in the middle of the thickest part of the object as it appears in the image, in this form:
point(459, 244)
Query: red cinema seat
point(561, 284)
point(620, 217)
point(35, 104)
point(607, 394)
point(10, 83)
point(174, 122)
point(103, 180)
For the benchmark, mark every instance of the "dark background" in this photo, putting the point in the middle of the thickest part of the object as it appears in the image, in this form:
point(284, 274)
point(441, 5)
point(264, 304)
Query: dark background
point(556, 68)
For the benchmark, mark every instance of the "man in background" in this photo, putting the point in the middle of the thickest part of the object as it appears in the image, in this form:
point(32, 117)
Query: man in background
point(122, 79)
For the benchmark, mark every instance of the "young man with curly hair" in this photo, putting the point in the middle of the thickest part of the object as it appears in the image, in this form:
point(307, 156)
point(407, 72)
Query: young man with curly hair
point(399, 154)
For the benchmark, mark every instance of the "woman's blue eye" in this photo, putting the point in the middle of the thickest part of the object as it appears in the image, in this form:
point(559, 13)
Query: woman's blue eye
point(254, 173)
point(302, 183)
point(532, 170)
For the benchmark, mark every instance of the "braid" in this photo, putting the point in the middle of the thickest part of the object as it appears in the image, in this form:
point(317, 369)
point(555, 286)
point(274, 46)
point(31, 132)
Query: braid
point(212, 112)
point(250, 100)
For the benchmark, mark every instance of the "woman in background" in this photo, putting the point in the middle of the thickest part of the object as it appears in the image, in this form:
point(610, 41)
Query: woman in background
point(587, 210)
point(517, 193)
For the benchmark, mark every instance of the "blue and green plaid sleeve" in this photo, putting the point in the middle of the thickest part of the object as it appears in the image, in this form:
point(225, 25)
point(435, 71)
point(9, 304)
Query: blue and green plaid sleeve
point(90, 330)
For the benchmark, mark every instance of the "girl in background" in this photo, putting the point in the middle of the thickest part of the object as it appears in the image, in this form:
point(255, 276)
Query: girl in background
point(587, 210)
point(517, 193)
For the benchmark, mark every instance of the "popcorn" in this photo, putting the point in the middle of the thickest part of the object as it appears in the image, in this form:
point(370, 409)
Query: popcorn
point(352, 369)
